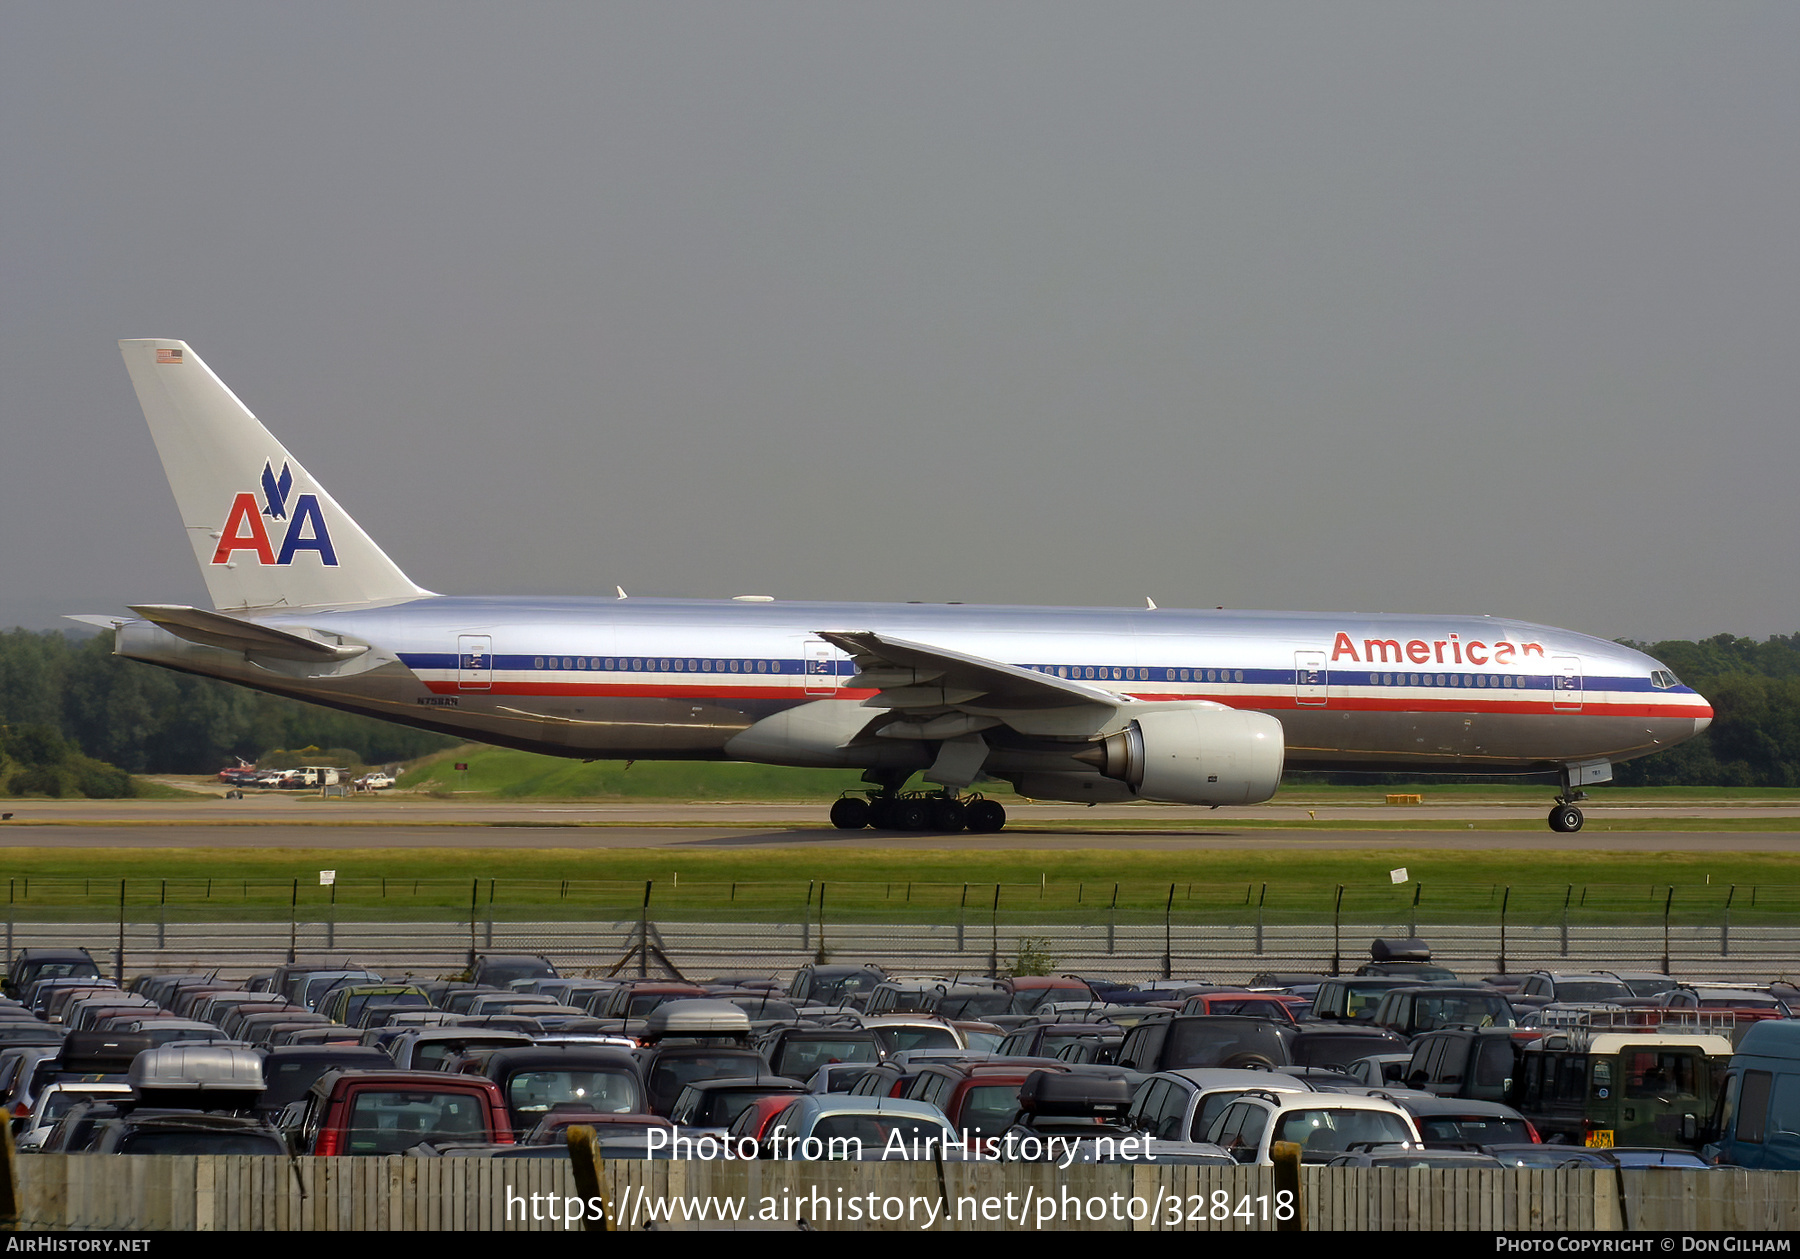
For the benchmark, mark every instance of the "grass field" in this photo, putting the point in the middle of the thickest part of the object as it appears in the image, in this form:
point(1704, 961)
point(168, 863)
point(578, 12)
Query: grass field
point(786, 884)
point(507, 775)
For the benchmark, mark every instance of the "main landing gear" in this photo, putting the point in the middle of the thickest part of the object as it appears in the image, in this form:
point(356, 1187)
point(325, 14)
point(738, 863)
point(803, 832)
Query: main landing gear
point(917, 811)
point(1565, 818)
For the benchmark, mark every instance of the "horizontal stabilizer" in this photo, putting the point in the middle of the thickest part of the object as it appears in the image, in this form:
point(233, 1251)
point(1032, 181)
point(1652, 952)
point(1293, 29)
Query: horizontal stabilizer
point(215, 629)
point(99, 622)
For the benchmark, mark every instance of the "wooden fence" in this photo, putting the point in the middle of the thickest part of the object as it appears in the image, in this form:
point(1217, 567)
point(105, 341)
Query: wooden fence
point(205, 1193)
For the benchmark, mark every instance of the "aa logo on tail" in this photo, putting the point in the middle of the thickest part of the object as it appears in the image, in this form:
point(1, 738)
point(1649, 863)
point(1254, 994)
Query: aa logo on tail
point(306, 529)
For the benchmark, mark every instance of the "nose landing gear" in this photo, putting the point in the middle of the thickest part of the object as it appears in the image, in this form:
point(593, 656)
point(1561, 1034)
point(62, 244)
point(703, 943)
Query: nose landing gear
point(1565, 818)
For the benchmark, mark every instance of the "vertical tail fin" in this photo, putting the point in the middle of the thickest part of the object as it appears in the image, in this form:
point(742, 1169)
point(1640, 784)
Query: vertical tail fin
point(265, 533)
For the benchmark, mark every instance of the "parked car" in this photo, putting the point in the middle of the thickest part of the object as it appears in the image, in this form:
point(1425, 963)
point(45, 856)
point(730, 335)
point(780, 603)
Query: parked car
point(1322, 1125)
point(388, 1112)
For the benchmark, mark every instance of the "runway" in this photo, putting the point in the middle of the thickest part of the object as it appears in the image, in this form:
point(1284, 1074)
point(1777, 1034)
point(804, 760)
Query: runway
point(278, 822)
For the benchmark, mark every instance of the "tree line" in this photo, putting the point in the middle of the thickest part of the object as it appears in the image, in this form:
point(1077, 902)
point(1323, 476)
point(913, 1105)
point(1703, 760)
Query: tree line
point(63, 695)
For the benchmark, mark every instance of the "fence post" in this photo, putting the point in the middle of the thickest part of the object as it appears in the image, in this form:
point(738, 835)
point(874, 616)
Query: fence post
point(162, 918)
point(1286, 1157)
point(9, 1181)
point(1725, 924)
point(1112, 919)
point(994, 940)
point(474, 899)
point(1168, 939)
point(806, 921)
point(590, 1177)
point(119, 953)
point(1260, 897)
point(1412, 922)
point(1505, 897)
point(644, 932)
point(1336, 913)
point(820, 956)
point(331, 920)
point(960, 908)
point(1565, 919)
point(1668, 907)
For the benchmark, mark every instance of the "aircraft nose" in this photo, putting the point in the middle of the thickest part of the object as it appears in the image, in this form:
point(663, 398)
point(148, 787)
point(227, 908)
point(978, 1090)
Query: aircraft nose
point(1701, 723)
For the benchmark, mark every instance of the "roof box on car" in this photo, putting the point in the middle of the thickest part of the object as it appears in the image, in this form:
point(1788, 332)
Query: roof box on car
point(199, 1067)
point(1414, 950)
point(1074, 1094)
point(696, 1017)
point(101, 1053)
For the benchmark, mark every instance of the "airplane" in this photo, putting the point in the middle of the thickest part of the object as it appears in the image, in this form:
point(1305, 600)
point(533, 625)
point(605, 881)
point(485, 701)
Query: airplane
point(1091, 705)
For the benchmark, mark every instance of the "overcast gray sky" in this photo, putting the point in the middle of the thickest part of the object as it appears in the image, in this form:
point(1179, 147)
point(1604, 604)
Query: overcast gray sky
point(1375, 306)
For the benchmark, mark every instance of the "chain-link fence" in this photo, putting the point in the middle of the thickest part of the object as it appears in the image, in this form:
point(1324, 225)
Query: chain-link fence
point(1133, 930)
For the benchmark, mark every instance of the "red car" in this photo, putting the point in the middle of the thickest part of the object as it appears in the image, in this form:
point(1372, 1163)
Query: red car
point(389, 1112)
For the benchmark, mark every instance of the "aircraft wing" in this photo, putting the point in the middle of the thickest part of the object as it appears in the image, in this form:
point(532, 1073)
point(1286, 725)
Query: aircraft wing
point(917, 676)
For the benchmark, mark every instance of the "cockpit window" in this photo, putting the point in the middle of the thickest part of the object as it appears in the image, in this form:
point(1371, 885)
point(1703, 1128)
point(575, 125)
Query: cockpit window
point(1662, 679)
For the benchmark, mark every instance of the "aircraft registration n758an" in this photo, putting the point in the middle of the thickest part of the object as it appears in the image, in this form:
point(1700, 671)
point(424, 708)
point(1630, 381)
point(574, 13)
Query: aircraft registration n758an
point(1092, 705)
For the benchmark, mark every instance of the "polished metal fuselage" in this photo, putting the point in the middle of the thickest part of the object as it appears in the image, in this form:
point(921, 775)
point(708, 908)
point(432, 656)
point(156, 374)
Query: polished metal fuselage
point(678, 679)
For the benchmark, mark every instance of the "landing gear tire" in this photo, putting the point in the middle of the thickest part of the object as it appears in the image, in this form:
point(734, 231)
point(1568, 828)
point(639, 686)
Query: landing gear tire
point(850, 813)
point(948, 815)
point(1565, 819)
point(908, 815)
point(985, 817)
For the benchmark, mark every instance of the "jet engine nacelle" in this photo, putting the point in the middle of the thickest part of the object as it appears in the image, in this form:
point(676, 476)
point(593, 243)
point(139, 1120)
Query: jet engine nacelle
point(1200, 755)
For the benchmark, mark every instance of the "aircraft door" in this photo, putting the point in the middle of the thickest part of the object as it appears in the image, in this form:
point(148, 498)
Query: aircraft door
point(474, 662)
point(820, 666)
point(1309, 679)
point(1567, 681)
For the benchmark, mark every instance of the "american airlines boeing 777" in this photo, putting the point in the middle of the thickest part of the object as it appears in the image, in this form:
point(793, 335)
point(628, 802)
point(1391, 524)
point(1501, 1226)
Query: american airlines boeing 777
point(1080, 704)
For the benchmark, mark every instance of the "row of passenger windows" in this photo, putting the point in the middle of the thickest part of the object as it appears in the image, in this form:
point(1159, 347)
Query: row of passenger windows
point(1455, 679)
point(639, 664)
point(1116, 673)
